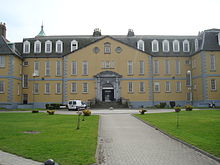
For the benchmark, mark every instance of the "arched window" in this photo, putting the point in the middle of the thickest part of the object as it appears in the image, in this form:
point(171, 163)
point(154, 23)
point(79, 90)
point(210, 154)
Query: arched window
point(166, 47)
point(185, 46)
point(48, 46)
point(59, 46)
point(196, 44)
point(155, 46)
point(176, 46)
point(26, 47)
point(107, 48)
point(74, 45)
point(140, 45)
point(37, 46)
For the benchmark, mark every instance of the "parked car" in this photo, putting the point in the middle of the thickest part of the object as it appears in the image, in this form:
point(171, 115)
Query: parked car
point(76, 105)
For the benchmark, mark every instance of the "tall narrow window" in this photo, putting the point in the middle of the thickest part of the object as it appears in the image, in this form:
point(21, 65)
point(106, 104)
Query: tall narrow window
point(167, 67)
point(176, 46)
point(58, 68)
point(47, 88)
point(130, 68)
point(36, 88)
point(74, 68)
point(155, 46)
point(156, 87)
point(37, 46)
point(26, 47)
point(212, 63)
point(25, 81)
point(18, 89)
point(167, 86)
point(36, 68)
point(185, 46)
point(140, 45)
point(130, 87)
point(47, 68)
point(188, 78)
point(178, 86)
point(74, 88)
point(166, 47)
point(59, 46)
point(58, 88)
point(156, 66)
point(107, 48)
point(48, 46)
point(141, 87)
point(74, 45)
point(2, 61)
point(196, 44)
point(84, 68)
point(177, 66)
point(213, 84)
point(2, 88)
point(85, 87)
point(141, 67)
point(189, 96)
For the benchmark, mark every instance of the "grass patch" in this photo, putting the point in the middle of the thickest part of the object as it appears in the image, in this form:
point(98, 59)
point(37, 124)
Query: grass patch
point(199, 128)
point(56, 137)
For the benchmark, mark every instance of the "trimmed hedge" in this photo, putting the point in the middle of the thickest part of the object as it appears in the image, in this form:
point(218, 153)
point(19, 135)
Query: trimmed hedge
point(53, 106)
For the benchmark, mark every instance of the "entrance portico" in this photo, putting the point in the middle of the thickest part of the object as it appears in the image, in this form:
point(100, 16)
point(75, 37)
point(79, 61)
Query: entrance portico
point(107, 86)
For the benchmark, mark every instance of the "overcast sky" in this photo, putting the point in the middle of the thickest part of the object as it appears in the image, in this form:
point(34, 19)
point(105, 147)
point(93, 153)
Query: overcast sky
point(23, 18)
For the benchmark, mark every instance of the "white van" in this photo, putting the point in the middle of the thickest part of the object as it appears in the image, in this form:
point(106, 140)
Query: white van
point(76, 105)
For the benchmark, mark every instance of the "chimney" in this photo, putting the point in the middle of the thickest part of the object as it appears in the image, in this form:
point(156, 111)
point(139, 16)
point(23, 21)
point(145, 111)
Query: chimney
point(97, 32)
point(3, 29)
point(130, 33)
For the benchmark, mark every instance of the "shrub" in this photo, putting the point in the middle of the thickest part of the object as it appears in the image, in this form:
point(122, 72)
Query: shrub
point(163, 104)
point(188, 107)
point(157, 106)
point(177, 109)
point(50, 112)
point(47, 106)
point(86, 112)
point(35, 111)
point(142, 111)
point(172, 104)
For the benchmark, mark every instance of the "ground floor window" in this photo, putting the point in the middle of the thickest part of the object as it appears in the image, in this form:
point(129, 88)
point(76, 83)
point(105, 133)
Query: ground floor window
point(213, 84)
point(1, 86)
point(85, 87)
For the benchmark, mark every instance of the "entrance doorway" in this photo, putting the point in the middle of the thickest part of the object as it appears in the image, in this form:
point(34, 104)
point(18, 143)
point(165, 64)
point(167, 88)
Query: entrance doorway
point(108, 95)
point(25, 98)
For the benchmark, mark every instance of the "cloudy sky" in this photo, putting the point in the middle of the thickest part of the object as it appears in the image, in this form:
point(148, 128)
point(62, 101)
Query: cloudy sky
point(80, 17)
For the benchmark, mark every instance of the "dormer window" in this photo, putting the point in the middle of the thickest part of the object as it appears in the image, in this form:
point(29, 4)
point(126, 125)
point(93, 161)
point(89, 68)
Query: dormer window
point(48, 46)
point(74, 45)
point(59, 46)
point(107, 48)
point(155, 46)
point(37, 46)
point(26, 47)
point(166, 47)
point(196, 44)
point(140, 45)
point(185, 46)
point(176, 46)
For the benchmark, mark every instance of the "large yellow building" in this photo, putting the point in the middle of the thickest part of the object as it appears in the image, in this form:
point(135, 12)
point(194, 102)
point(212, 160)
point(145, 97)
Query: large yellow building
point(142, 70)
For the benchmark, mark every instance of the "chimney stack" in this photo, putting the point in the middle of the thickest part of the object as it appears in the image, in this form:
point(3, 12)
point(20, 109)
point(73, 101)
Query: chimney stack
point(3, 29)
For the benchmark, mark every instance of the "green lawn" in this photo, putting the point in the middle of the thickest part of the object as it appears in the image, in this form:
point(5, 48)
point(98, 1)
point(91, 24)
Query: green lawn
point(58, 138)
point(199, 128)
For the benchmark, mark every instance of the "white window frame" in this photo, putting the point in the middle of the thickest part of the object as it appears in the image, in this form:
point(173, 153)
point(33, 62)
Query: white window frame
point(74, 68)
point(213, 85)
point(156, 66)
point(107, 48)
point(176, 44)
point(58, 88)
point(186, 48)
point(85, 88)
point(196, 44)
point(73, 87)
point(47, 88)
point(85, 68)
point(167, 86)
point(59, 42)
point(2, 61)
point(58, 68)
point(130, 87)
point(141, 87)
point(166, 44)
point(178, 86)
point(141, 63)
point(140, 45)
point(155, 46)
point(48, 42)
point(74, 45)
point(2, 86)
point(36, 88)
point(26, 47)
point(47, 68)
point(167, 66)
point(212, 63)
point(130, 67)
point(37, 46)
point(25, 81)
point(156, 87)
point(178, 68)
point(188, 78)
point(36, 68)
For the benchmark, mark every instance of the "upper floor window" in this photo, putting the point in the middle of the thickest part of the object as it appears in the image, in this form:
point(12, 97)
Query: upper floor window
point(36, 68)
point(155, 66)
point(176, 46)
point(59, 46)
point(155, 46)
point(185, 46)
point(107, 48)
point(167, 67)
point(130, 67)
point(212, 63)
point(196, 44)
point(74, 45)
point(166, 47)
point(25, 81)
point(141, 67)
point(84, 68)
point(74, 68)
point(2, 61)
point(48, 46)
point(58, 68)
point(213, 84)
point(140, 45)
point(26, 47)
point(188, 78)
point(177, 66)
point(47, 68)
point(37, 46)
point(130, 87)
point(156, 87)
point(141, 87)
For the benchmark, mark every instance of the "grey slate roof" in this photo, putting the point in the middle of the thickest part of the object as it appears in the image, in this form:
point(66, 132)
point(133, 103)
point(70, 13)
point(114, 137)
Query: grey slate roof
point(210, 41)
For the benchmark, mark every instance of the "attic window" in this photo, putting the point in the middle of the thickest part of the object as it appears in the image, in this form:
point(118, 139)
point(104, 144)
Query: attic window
point(185, 46)
point(59, 46)
point(48, 46)
point(176, 46)
point(196, 44)
point(74, 45)
point(37, 46)
point(155, 47)
point(26, 47)
point(166, 47)
point(107, 48)
point(140, 45)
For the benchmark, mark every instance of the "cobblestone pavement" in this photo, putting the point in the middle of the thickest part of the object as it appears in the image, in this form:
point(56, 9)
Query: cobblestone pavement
point(124, 140)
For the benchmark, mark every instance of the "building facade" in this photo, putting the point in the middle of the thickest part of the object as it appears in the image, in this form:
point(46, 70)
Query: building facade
point(142, 70)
